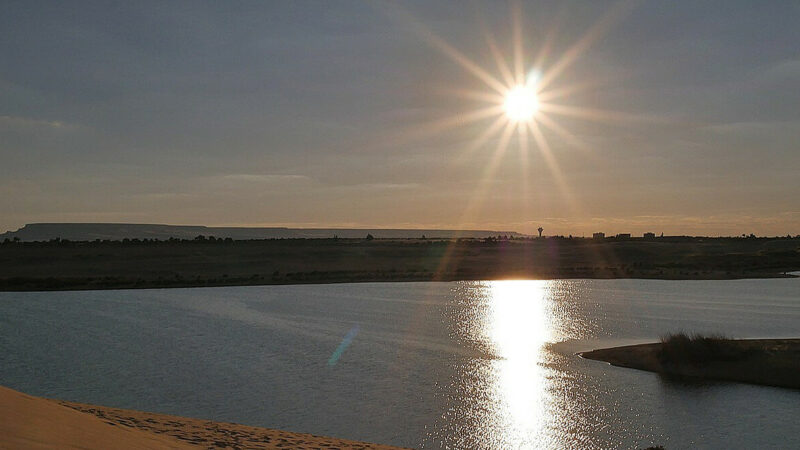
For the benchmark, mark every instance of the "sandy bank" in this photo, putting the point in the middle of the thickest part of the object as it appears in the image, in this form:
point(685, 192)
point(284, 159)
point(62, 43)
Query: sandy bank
point(28, 422)
point(771, 362)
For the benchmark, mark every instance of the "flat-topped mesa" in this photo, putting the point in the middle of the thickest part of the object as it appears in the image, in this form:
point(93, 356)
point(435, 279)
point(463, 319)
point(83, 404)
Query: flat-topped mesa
point(119, 231)
point(771, 362)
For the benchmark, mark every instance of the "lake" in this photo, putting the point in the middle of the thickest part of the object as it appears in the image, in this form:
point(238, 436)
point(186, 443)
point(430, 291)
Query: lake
point(459, 365)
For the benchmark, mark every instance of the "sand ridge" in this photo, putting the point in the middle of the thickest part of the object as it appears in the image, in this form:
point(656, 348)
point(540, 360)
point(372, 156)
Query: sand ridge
point(28, 422)
point(209, 434)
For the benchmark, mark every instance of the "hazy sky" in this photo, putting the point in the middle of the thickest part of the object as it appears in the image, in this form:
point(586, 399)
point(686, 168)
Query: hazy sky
point(323, 114)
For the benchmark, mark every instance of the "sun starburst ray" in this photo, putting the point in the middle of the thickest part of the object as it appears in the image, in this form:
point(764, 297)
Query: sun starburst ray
point(484, 137)
point(564, 91)
point(594, 114)
point(445, 48)
point(552, 165)
point(592, 35)
point(478, 196)
point(549, 40)
point(522, 131)
point(447, 123)
point(467, 64)
point(521, 103)
point(516, 28)
point(500, 61)
point(564, 134)
point(476, 199)
point(473, 94)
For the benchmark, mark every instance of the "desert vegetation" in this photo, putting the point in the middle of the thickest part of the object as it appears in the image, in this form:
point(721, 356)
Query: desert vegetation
point(771, 362)
point(698, 348)
point(210, 261)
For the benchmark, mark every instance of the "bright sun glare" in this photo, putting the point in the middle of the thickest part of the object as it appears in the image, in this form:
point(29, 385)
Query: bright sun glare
point(521, 103)
point(520, 96)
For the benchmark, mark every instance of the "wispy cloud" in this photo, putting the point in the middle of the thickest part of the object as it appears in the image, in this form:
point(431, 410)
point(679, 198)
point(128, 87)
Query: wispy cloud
point(381, 186)
point(262, 178)
point(27, 123)
point(754, 127)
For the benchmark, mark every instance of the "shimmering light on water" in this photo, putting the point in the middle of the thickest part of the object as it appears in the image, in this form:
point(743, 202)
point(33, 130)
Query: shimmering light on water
point(477, 365)
point(518, 326)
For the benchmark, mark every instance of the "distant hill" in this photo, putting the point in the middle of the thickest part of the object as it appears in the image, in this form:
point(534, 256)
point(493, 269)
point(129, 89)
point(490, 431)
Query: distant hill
point(117, 231)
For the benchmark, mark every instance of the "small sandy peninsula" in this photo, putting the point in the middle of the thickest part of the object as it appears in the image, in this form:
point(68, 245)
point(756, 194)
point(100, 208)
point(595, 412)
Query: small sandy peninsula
point(770, 362)
point(28, 422)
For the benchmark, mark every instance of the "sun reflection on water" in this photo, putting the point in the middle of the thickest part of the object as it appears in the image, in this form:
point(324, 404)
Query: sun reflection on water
point(511, 389)
point(517, 326)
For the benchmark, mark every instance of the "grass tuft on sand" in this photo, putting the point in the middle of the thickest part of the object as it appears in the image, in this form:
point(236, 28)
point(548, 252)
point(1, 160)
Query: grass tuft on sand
point(699, 348)
point(771, 362)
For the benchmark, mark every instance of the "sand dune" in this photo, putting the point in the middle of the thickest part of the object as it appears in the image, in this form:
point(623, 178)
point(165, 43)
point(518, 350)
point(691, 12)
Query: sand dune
point(28, 422)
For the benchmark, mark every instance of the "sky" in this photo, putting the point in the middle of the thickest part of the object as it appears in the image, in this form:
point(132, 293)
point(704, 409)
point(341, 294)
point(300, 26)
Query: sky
point(676, 117)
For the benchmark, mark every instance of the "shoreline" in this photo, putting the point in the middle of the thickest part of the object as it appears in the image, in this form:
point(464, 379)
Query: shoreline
point(767, 362)
point(52, 284)
point(34, 422)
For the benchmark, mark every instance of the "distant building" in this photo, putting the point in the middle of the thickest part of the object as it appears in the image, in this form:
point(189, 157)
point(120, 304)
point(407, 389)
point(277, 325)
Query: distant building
point(649, 236)
point(598, 235)
point(624, 236)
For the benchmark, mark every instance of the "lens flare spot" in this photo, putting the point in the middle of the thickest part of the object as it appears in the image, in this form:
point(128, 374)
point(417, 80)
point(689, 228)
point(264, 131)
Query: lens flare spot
point(348, 338)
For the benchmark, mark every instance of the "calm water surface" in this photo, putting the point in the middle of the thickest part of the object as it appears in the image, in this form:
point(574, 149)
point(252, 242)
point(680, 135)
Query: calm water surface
point(458, 365)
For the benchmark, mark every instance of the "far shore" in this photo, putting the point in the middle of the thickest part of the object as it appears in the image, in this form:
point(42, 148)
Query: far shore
point(769, 362)
point(28, 422)
point(95, 284)
point(134, 264)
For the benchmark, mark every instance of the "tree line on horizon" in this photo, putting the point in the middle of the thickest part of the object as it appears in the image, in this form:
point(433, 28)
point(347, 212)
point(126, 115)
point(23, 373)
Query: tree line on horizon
point(369, 237)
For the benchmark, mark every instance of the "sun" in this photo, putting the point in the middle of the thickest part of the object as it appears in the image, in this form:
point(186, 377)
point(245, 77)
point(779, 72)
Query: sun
point(521, 97)
point(521, 103)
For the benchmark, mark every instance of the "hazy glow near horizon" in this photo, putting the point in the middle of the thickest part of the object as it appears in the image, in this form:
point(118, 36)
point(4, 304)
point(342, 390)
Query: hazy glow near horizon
point(404, 115)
